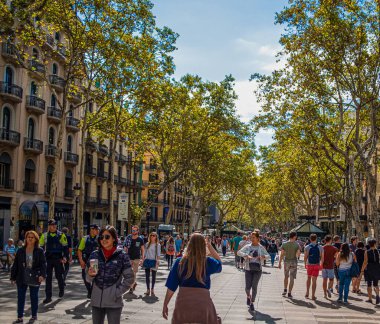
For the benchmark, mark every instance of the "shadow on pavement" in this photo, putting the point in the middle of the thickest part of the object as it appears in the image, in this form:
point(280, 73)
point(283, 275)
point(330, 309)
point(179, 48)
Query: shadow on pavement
point(261, 317)
point(302, 303)
point(44, 308)
point(150, 299)
point(330, 304)
point(80, 310)
point(360, 309)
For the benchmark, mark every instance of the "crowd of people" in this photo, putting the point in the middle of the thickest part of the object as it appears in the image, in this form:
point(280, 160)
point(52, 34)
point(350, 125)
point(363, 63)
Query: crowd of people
point(110, 265)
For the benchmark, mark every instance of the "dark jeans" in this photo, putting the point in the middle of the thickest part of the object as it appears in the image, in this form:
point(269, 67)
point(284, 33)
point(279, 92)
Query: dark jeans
point(147, 278)
point(272, 258)
point(99, 314)
point(252, 279)
point(344, 284)
point(88, 285)
point(57, 265)
point(21, 296)
point(170, 260)
point(224, 250)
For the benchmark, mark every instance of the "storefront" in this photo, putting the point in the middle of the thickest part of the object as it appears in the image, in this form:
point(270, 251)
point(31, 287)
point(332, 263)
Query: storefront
point(5, 220)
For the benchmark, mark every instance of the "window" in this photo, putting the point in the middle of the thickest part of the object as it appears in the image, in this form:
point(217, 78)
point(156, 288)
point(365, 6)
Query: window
point(98, 192)
point(68, 182)
point(70, 113)
point(57, 37)
point(30, 169)
point(6, 124)
point(5, 170)
point(31, 129)
point(51, 136)
point(8, 75)
point(53, 101)
point(33, 89)
point(55, 69)
point(35, 54)
point(69, 143)
point(49, 177)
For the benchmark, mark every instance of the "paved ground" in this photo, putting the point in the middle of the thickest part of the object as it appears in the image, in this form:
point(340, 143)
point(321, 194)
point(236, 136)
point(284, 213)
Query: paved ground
point(228, 295)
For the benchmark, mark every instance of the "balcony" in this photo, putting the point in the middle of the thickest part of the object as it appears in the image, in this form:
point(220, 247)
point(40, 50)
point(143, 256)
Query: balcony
point(90, 171)
point(90, 201)
point(33, 145)
point(10, 92)
point(9, 52)
point(71, 158)
point(37, 68)
point(102, 202)
point(50, 41)
point(151, 167)
point(7, 184)
point(57, 82)
point(72, 124)
point(50, 151)
point(54, 115)
point(9, 137)
point(30, 187)
point(103, 149)
point(61, 52)
point(91, 145)
point(75, 97)
point(69, 193)
point(102, 174)
point(35, 105)
point(122, 158)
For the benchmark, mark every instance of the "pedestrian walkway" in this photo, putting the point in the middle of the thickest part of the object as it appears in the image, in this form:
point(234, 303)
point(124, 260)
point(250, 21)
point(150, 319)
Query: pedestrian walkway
point(227, 290)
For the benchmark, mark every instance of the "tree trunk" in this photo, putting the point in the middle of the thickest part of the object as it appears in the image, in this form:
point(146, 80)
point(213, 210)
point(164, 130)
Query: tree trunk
point(111, 171)
point(171, 204)
point(82, 164)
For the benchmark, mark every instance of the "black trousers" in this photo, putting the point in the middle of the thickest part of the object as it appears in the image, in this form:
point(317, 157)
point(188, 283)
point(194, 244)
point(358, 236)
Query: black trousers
point(66, 268)
point(88, 285)
point(224, 250)
point(252, 279)
point(147, 278)
point(57, 265)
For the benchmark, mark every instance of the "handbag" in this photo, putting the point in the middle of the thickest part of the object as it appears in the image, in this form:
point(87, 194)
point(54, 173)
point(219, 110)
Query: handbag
point(354, 270)
point(31, 277)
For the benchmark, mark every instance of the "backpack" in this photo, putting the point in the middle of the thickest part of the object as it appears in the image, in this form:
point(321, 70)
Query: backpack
point(171, 248)
point(314, 254)
point(272, 248)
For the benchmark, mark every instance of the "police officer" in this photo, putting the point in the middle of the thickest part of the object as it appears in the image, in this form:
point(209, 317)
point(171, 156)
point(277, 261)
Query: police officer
point(66, 266)
point(57, 254)
point(87, 245)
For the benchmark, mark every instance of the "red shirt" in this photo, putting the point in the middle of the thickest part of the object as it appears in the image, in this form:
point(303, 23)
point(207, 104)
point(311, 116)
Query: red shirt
point(108, 253)
point(329, 253)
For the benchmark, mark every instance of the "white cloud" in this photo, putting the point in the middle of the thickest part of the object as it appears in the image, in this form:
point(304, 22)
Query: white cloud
point(246, 105)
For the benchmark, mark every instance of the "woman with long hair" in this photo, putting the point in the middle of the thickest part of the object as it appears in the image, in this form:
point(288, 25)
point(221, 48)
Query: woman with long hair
point(191, 274)
point(170, 251)
point(110, 271)
point(151, 262)
point(254, 254)
point(28, 270)
point(344, 261)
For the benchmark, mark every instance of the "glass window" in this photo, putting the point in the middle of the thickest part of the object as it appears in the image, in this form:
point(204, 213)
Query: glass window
point(51, 136)
point(69, 143)
point(31, 129)
point(55, 69)
point(6, 118)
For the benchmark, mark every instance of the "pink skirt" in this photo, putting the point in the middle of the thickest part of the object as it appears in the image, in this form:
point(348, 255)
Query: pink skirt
point(194, 305)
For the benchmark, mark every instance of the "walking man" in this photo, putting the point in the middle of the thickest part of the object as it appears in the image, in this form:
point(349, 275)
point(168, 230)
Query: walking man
point(87, 245)
point(290, 252)
point(134, 246)
point(225, 245)
point(330, 253)
point(313, 263)
point(10, 251)
point(235, 246)
point(57, 254)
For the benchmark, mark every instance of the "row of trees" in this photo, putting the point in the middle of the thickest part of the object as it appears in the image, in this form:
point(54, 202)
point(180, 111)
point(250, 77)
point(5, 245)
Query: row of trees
point(117, 60)
point(324, 108)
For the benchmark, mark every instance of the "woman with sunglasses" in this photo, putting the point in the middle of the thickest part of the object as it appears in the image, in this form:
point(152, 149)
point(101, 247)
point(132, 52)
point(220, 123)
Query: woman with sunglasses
point(28, 270)
point(109, 270)
point(151, 262)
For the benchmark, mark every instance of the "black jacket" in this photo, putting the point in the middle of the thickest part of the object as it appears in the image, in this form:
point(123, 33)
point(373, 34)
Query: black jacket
point(39, 264)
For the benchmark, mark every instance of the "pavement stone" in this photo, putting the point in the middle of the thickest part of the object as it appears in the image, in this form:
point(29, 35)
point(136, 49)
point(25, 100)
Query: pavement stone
point(227, 291)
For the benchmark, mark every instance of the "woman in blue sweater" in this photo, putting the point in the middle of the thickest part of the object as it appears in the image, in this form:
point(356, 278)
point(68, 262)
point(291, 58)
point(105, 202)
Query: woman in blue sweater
point(191, 274)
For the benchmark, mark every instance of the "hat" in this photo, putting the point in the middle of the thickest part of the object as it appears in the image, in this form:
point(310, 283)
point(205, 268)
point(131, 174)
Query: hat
point(94, 226)
point(52, 222)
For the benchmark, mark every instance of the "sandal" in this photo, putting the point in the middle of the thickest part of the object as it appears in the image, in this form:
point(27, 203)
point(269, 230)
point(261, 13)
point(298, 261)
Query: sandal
point(147, 293)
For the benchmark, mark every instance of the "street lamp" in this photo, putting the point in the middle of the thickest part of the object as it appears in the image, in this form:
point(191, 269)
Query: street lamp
point(77, 192)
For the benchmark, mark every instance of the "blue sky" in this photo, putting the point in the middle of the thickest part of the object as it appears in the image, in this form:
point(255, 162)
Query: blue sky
point(220, 37)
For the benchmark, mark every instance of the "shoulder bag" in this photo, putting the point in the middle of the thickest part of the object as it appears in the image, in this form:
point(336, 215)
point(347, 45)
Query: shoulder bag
point(354, 270)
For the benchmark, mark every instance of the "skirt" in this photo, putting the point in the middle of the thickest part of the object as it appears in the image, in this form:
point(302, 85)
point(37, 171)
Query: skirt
point(190, 299)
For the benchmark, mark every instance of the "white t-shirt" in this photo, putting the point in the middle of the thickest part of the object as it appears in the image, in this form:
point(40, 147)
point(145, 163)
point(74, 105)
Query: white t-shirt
point(153, 251)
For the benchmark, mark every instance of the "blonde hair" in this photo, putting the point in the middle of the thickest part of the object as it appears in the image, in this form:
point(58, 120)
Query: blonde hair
point(150, 240)
point(195, 258)
point(36, 237)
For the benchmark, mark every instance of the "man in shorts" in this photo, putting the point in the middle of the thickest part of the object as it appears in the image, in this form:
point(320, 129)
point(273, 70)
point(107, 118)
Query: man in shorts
point(290, 251)
point(313, 259)
point(330, 253)
point(338, 244)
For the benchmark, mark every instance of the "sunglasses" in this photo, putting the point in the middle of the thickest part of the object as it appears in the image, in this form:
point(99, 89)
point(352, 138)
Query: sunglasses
point(134, 230)
point(104, 237)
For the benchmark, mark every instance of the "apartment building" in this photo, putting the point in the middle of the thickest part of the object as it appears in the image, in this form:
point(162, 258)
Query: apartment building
point(152, 177)
point(29, 124)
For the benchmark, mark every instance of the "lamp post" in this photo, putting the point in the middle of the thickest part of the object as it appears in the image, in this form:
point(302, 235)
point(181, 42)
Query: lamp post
point(76, 191)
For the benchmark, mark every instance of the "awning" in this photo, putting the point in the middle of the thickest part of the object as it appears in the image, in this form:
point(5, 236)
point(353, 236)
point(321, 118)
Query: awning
point(41, 209)
point(307, 228)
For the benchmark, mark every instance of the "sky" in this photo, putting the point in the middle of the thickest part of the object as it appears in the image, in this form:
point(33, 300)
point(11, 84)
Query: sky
point(221, 37)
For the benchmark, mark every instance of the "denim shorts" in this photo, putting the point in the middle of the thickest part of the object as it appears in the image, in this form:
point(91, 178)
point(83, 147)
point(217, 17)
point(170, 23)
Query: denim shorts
point(328, 273)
